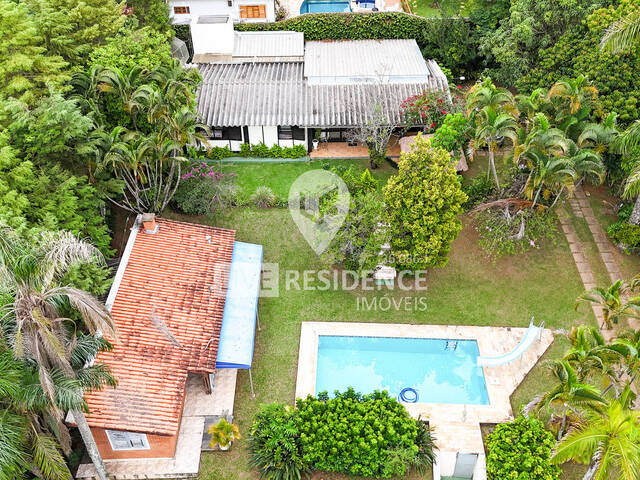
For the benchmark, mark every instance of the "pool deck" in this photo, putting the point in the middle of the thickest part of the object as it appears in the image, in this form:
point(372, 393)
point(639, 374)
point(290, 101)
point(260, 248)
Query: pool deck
point(457, 427)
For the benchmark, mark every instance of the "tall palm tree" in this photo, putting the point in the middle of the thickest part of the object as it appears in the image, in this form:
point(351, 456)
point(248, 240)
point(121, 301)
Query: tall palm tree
point(628, 143)
point(532, 104)
point(490, 126)
point(34, 317)
point(611, 300)
point(568, 394)
point(608, 441)
point(623, 34)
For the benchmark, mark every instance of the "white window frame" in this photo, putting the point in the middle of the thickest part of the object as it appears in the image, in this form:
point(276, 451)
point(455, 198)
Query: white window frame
point(131, 437)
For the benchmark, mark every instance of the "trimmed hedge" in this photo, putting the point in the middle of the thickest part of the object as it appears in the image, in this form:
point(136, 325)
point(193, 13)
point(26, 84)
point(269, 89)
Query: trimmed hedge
point(521, 450)
point(348, 26)
point(449, 41)
point(258, 151)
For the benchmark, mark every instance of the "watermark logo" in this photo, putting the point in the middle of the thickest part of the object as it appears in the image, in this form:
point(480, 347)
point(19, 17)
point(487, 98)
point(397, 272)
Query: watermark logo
point(319, 202)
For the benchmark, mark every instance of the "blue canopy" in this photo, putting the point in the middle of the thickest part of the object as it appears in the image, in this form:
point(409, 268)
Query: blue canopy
point(235, 349)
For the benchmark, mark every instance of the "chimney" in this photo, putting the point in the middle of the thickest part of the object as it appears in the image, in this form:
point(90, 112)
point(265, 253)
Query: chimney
point(149, 223)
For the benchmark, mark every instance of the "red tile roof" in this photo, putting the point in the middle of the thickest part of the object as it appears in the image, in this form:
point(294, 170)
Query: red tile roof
point(168, 310)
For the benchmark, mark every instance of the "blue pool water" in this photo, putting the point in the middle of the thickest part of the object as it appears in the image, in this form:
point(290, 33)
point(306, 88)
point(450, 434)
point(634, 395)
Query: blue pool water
point(438, 374)
point(322, 6)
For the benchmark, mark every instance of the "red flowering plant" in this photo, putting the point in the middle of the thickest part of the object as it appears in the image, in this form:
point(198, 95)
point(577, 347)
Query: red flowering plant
point(429, 109)
point(203, 190)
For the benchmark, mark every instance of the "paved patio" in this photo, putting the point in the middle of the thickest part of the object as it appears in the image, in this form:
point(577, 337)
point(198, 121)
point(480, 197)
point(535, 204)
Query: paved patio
point(344, 150)
point(457, 427)
point(198, 407)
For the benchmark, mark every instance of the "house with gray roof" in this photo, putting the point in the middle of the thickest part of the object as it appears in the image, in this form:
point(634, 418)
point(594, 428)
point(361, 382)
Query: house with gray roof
point(275, 88)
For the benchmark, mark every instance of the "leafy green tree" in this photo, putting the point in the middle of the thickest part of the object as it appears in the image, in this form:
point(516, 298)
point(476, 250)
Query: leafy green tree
point(568, 394)
point(33, 199)
point(521, 449)
point(52, 134)
point(357, 243)
point(608, 441)
point(26, 69)
point(578, 52)
point(532, 25)
point(72, 30)
point(143, 47)
point(612, 301)
point(151, 13)
point(423, 202)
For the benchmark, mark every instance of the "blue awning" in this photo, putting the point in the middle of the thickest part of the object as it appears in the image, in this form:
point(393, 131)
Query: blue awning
point(235, 349)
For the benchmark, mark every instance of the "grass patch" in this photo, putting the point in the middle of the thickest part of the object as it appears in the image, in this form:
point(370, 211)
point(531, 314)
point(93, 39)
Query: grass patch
point(280, 176)
point(435, 8)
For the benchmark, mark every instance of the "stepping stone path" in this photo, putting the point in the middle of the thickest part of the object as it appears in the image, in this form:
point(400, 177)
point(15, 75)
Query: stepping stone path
point(581, 208)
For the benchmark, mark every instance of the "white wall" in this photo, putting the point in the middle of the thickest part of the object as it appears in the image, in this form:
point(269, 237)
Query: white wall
point(218, 7)
point(270, 136)
point(212, 37)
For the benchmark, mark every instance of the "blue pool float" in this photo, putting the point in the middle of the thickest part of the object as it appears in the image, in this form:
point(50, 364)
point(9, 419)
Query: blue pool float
point(413, 398)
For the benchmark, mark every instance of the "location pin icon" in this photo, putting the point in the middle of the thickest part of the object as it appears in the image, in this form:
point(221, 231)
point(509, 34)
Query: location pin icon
point(319, 202)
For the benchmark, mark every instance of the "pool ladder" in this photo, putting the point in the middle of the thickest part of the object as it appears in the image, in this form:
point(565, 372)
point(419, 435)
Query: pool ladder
point(451, 345)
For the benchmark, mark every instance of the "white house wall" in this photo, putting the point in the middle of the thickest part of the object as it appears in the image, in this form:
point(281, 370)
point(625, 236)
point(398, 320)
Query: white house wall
point(212, 37)
point(219, 7)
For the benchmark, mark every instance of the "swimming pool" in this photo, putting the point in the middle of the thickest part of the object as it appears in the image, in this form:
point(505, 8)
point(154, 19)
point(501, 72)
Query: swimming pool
point(441, 371)
point(322, 6)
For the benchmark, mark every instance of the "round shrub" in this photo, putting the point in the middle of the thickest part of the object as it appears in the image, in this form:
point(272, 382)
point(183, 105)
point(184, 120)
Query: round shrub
point(203, 190)
point(521, 450)
point(364, 435)
point(263, 197)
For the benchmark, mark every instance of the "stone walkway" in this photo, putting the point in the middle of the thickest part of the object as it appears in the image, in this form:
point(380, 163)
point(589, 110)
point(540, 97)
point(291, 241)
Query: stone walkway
point(581, 208)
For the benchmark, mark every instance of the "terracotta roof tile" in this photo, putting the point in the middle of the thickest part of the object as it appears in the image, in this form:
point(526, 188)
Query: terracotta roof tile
point(168, 310)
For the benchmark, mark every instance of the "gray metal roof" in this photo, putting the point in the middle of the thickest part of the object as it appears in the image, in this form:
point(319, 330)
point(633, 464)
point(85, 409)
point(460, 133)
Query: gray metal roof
point(268, 44)
point(364, 58)
point(276, 93)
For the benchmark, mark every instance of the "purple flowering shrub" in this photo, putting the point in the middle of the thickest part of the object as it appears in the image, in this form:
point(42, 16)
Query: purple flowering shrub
point(203, 190)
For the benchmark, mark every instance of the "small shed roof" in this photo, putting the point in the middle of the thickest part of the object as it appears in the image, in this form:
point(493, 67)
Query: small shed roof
point(169, 300)
point(268, 44)
point(355, 59)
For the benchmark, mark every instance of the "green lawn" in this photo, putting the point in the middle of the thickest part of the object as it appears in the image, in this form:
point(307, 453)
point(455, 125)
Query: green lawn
point(471, 290)
point(280, 176)
point(435, 8)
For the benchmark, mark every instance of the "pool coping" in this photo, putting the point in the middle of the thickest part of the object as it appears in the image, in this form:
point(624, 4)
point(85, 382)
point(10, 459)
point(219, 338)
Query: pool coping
point(457, 425)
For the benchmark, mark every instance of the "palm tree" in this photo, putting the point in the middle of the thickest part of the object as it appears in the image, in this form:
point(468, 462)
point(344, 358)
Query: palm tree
point(623, 34)
point(628, 143)
point(628, 345)
point(34, 320)
point(490, 126)
point(611, 301)
point(486, 94)
point(598, 136)
point(608, 441)
point(532, 104)
point(568, 393)
point(590, 355)
point(575, 94)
